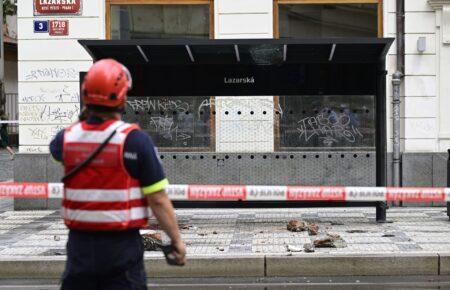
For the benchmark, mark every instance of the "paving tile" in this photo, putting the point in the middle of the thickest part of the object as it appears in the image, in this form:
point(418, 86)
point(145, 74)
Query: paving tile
point(23, 251)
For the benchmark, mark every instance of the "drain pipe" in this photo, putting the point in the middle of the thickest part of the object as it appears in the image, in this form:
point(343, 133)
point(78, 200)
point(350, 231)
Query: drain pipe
point(396, 83)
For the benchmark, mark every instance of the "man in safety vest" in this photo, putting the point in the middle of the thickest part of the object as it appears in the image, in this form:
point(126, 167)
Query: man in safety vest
point(106, 198)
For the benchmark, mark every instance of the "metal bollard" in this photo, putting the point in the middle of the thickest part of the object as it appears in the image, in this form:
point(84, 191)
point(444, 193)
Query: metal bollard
point(448, 182)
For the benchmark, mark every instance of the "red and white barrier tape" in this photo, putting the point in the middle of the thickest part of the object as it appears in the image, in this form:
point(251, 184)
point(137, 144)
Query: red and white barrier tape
point(255, 193)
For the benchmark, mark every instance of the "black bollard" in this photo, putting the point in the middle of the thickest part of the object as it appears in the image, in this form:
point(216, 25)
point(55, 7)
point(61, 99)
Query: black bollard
point(448, 182)
point(381, 208)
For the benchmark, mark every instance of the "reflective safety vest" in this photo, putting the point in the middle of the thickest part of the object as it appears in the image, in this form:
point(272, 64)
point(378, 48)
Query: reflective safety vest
point(102, 196)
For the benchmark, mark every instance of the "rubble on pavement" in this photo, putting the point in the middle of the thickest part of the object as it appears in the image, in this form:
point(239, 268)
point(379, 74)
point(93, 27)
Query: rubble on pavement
point(300, 226)
point(296, 226)
point(330, 241)
point(152, 240)
point(293, 248)
point(309, 248)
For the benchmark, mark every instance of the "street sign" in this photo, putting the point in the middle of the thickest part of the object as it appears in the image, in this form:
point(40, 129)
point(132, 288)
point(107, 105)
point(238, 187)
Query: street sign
point(55, 7)
point(40, 26)
point(59, 27)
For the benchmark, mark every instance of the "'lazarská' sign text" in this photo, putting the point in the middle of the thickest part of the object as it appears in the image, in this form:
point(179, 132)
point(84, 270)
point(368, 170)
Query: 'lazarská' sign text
point(246, 80)
point(45, 7)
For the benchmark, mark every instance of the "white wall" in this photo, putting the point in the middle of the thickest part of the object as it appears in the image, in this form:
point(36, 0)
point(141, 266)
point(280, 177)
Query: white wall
point(419, 107)
point(245, 132)
point(48, 72)
point(441, 23)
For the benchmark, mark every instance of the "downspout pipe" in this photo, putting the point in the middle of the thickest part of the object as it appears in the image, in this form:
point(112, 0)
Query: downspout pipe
point(397, 79)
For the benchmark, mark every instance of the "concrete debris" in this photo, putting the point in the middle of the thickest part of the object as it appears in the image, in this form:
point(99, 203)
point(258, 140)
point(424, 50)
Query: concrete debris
point(292, 248)
point(296, 226)
point(313, 229)
point(330, 241)
point(152, 241)
point(356, 231)
point(56, 238)
point(309, 248)
point(300, 226)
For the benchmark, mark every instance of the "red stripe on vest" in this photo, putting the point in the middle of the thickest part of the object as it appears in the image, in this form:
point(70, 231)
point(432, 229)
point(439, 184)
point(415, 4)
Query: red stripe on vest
point(114, 226)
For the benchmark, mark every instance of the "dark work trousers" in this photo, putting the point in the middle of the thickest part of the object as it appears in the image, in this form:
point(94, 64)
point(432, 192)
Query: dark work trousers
point(104, 260)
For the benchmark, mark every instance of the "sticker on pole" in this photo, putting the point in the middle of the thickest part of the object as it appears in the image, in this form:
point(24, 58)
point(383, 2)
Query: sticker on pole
point(59, 27)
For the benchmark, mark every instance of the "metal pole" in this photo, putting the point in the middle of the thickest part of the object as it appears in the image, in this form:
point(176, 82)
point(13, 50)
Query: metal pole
point(2, 60)
point(380, 140)
point(396, 81)
point(448, 182)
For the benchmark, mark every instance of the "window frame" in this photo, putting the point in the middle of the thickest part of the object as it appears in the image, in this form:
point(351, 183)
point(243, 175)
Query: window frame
point(276, 34)
point(109, 3)
point(276, 18)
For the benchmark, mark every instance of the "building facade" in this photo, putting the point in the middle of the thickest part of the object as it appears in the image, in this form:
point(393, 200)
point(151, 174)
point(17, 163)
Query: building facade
point(229, 132)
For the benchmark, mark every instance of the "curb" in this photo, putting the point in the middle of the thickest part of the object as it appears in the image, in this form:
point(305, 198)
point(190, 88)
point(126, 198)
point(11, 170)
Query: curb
point(254, 266)
point(354, 265)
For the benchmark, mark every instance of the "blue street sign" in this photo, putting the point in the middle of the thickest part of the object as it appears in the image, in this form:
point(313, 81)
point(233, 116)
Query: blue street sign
point(40, 26)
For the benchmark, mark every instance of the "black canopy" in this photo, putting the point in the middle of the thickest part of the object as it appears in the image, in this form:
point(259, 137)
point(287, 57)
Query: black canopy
point(239, 51)
point(232, 67)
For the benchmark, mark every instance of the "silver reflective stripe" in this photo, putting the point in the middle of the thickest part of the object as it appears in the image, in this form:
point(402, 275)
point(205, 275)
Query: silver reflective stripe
point(93, 195)
point(106, 216)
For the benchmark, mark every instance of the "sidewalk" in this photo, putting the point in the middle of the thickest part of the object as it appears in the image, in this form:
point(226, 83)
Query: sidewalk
point(253, 242)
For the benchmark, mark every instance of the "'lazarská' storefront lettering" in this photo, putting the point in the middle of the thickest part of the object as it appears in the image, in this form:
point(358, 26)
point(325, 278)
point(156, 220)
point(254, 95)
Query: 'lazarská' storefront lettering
point(246, 80)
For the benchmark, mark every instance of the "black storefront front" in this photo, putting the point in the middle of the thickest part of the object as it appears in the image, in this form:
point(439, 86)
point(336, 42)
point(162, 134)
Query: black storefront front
point(185, 68)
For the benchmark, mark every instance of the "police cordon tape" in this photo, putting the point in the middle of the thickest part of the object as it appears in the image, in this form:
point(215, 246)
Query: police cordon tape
point(256, 193)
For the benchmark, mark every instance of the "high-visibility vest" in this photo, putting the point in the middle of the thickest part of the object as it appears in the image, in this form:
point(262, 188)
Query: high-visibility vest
point(102, 196)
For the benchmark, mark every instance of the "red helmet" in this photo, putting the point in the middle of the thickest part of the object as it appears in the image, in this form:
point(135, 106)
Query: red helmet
point(106, 84)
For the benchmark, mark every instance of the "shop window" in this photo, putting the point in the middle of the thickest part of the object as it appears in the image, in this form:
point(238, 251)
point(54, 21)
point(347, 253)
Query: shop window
point(183, 123)
point(159, 21)
point(328, 20)
point(321, 122)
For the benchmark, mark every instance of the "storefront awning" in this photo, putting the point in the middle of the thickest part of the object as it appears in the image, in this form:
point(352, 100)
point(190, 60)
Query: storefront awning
point(239, 51)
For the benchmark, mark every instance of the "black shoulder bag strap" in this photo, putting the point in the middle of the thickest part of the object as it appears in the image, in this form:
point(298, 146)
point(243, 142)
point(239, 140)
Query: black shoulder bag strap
point(90, 158)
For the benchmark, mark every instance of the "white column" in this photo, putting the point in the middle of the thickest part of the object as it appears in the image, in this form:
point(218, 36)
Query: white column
point(442, 8)
point(244, 124)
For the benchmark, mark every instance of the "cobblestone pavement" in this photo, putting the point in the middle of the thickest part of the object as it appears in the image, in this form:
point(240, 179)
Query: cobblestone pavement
point(6, 166)
point(235, 232)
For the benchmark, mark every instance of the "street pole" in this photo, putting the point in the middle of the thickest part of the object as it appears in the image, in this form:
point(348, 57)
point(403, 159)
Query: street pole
point(2, 61)
point(396, 81)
